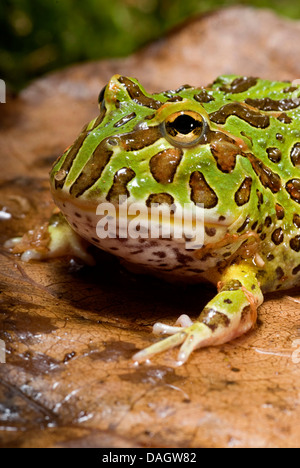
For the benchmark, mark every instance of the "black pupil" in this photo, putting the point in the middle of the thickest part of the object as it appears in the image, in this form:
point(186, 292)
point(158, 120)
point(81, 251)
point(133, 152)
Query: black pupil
point(185, 124)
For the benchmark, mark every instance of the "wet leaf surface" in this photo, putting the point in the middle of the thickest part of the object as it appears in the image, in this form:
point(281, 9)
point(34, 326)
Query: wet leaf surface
point(70, 330)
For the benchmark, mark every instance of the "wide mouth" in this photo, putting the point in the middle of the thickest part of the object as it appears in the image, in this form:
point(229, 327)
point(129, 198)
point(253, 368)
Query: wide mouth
point(190, 224)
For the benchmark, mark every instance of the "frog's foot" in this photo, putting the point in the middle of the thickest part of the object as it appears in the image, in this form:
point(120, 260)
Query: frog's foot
point(51, 240)
point(230, 314)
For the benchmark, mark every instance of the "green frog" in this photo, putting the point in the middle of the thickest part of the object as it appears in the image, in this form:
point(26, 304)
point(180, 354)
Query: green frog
point(230, 150)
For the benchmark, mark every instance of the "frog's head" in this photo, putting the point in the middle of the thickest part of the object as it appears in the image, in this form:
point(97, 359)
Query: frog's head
point(173, 148)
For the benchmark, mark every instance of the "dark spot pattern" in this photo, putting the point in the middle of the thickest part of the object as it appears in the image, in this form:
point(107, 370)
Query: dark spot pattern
point(277, 236)
point(279, 211)
point(203, 97)
point(160, 199)
point(252, 117)
point(274, 154)
point(210, 231)
point(260, 199)
point(68, 162)
point(125, 120)
point(164, 164)
point(137, 95)
point(232, 285)
point(92, 170)
point(296, 220)
point(242, 195)
point(268, 104)
point(296, 270)
point(268, 221)
point(119, 188)
point(244, 225)
point(225, 151)
point(201, 192)
point(279, 273)
point(239, 85)
point(213, 318)
point(295, 154)
point(293, 188)
point(268, 178)
point(295, 243)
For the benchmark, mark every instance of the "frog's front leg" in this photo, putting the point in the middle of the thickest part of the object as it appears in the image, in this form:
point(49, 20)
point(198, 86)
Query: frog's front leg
point(53, 239)
point(231, 313)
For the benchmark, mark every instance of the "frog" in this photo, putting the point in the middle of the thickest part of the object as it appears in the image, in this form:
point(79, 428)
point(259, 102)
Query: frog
point(231, 150)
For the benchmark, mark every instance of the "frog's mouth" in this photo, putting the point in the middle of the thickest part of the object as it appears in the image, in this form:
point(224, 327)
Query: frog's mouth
point(191, 229)
point(195, 228)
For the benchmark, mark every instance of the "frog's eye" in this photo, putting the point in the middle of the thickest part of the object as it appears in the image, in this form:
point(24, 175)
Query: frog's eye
point(101, 95)
point(184, 128)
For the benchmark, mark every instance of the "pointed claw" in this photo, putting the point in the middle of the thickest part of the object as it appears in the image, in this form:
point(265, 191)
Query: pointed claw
point(160, 346)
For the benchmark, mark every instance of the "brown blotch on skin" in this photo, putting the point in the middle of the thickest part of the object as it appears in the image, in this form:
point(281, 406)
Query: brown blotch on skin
point(268, 221)
point(251, 116)
point(214, 319)
point(296, 220)
point(293, 188)
point(279, 137)
point(210, 231)
point(284, 118)
point(227, 301)
point(119, 187)
point(260, 198)
point(137, 95)
point(164, 164)
point(139, 139)
point(244, 225)
point(92, 170)
point(125, 119)
point(278, 236)
point(268, 104)
point(295, 243)
point(225, 151)
point(279, 273)
point(232, 285)
point(175, 99)
point(239, 85)
point(268, 178)
point(296, 270)
point(290, 89)
point(201, 192)
point(242, 195)
point(100, 118)
point(68, 162)
point(160, 199)
point(274, 154)
point(203, 96)
point(295, 154)
point(279, 211)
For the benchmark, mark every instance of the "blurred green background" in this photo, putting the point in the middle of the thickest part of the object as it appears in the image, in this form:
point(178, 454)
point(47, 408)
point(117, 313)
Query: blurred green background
point(37, 36)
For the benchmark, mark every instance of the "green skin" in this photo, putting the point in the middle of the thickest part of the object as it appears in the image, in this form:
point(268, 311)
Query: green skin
point(248, 154)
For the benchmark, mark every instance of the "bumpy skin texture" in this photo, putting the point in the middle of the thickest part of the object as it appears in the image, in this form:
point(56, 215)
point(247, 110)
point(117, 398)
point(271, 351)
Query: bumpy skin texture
point(233, 147)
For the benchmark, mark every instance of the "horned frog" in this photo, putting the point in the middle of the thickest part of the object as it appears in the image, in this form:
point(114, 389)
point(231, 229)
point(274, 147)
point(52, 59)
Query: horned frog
point(232, 149)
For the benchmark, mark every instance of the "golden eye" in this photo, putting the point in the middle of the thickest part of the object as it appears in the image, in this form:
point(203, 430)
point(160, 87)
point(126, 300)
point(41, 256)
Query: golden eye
point(184, 128)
